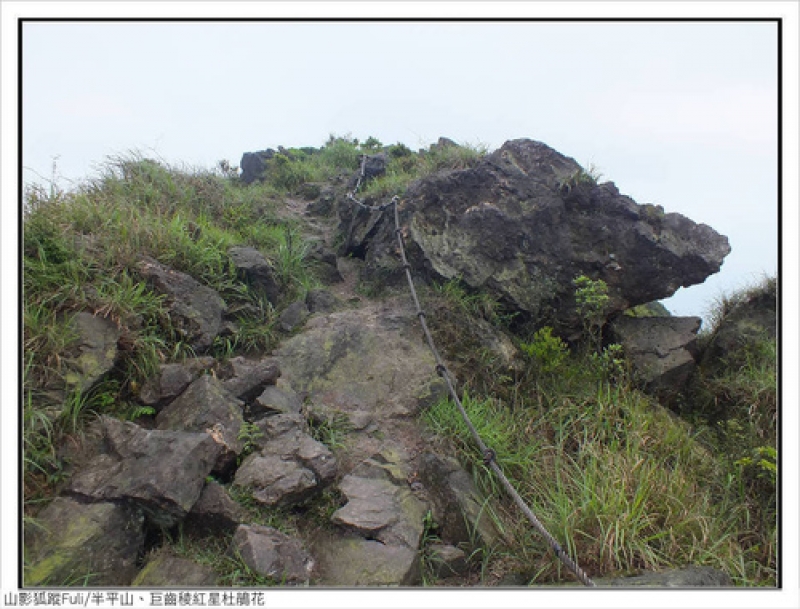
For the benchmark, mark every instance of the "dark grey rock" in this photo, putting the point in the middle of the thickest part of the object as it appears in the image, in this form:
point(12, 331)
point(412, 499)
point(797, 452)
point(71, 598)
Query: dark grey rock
point(523, 223)
point(248, 378)
point(254, 165)
point(275, 425)
point(165, 571)
point(173, 379)
point(293, 316)
point(256, 270)
point(79, 544)
point(161, 471)
point(274, 481)
point(214, 510)
point(92, 354)
point(276, 400)
point(195, 310)
point(689, 577)
point(206, 406)
point(273, 554)
point(662, 350)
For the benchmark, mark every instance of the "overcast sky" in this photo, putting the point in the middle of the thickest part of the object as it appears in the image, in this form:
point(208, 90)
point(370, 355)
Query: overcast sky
point(681, 114)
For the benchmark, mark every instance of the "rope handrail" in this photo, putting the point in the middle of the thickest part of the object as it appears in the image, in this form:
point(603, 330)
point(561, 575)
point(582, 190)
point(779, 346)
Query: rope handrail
point(489, 456)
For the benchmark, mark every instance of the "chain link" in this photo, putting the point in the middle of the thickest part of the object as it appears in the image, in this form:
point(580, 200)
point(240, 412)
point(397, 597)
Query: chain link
point(489, 456)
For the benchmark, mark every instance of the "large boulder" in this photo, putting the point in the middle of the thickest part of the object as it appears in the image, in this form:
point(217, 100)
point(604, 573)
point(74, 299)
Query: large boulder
point(662, 350)
point(163, 472)
point(524, 222)
point(78, 544)
point(195, 309)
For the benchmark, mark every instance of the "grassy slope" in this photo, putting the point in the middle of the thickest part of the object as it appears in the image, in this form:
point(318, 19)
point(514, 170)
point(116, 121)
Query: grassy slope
point(623, 484)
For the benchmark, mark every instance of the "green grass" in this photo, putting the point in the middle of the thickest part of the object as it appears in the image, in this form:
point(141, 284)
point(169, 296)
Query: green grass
point(622, 483)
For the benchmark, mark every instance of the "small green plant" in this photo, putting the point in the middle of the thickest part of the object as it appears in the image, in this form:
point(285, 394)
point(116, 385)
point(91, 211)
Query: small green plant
point(548, 352)
point(591, 299)
point(249, 434)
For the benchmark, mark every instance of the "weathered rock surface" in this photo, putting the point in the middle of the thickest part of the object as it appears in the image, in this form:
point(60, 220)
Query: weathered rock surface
point(662, 350)
point(76, 544)
point(290, 466)
point(172, 379)
point(458, 507)
point(144, 467)
point(165, 571)
point(248, 378)
point(196, 310)
point(206, 406)
point(522, 225)
point(276, 400)
point(256, 270)
point(273, 554)
point(350, 561)
point(93, 352)
point(214, 510)
point(293, 316)
point(689, 577)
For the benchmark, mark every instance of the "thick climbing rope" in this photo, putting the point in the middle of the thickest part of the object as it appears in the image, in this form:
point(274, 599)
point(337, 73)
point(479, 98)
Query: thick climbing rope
point(489, 457)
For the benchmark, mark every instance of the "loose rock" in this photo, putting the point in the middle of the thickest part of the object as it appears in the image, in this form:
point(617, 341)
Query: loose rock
point(273, 554)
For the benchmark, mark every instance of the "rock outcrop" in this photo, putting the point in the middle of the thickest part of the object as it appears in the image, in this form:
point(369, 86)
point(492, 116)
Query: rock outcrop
point(662, 350)
point(527, 220)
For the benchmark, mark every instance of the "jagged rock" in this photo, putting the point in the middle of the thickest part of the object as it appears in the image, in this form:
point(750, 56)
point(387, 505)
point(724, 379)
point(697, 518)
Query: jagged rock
point(276, 400)
point(293, 316)
point(524, 222)
point(79, 544)
point(290, 467)
point(321, 301)
point(273, 554)
point(214, 510)
point(173, 379)
point(249, 378)
point(458, 507)
point(274, 481)
point(272, 426)
point(354, 561)
point(323, 205)
point(662, 350)
point(92, 354)
point(206, 406)
point(254, 164)
point(257, 270)
point(195, 310)
point(165, 571)
point(689, 577)
point(446, 560)
point(161, 471)
point(380, 510)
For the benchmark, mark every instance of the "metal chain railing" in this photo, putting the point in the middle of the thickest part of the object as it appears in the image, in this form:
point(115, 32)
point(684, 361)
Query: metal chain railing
point(489, 456)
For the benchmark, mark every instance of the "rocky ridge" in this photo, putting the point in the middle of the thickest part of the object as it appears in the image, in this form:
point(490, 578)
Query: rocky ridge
point(521, 224)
